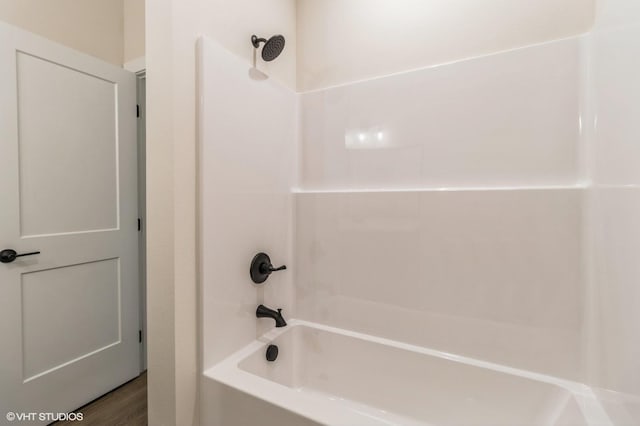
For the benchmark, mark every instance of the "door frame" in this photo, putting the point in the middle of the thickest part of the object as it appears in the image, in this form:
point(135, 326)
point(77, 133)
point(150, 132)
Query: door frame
point(141, 79)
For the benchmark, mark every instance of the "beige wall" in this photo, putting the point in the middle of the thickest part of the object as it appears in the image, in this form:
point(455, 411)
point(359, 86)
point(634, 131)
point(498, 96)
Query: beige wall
point(112, 30)
point(171, 33)
point(95, 27)
point(340, 41)
point(133, 30)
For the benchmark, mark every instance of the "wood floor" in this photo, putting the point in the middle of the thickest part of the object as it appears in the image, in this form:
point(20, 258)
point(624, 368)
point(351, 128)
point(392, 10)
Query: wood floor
point(124, 406)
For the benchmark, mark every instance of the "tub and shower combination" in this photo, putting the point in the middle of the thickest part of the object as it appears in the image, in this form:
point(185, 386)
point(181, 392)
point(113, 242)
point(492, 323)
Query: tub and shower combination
point(447, 232)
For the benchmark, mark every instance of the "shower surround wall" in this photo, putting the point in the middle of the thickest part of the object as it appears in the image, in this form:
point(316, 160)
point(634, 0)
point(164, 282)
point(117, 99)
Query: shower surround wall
point(443, 207)
point(508, 119)
point(248, 134)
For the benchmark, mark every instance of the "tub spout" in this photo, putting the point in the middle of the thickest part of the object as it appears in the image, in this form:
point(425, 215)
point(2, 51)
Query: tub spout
point(264, 312)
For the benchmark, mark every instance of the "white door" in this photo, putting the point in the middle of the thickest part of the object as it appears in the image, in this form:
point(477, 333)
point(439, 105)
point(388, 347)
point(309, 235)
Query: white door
point(68, 189)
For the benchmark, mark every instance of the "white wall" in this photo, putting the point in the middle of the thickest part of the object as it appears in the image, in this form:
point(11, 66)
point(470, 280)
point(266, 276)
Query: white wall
point(341, 41)
point(95, 27)
point(165, 315)
point(173, 27)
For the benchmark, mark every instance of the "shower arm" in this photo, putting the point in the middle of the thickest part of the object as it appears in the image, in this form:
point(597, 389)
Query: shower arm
point(256, 41)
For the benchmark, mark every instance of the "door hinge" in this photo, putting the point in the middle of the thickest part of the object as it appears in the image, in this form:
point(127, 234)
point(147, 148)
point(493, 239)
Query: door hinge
point(138, 111)
point(140, 336)
point(139, 224)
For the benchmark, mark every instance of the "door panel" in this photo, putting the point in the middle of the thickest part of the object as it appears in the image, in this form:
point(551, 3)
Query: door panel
point(68, 316)
point(78, 191)
point(86, 317)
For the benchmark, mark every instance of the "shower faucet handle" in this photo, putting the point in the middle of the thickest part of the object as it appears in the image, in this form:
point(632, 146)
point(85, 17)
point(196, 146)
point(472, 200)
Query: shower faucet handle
point(261, 268)
point(270, 268)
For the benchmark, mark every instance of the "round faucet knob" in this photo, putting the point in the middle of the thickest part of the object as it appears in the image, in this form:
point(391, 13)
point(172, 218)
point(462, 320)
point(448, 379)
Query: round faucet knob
point(261, 268)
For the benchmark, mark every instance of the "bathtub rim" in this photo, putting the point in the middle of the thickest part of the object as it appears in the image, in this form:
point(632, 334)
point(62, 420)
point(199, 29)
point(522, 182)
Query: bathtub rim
point(308, 405)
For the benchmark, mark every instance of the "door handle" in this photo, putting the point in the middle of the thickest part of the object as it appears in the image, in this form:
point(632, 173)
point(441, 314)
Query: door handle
point(9, 255)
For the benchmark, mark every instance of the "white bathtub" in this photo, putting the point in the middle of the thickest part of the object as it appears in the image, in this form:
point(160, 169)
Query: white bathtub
point(336, 377)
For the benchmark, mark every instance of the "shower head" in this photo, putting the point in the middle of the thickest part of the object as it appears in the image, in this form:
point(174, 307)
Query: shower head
point(272, 48)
